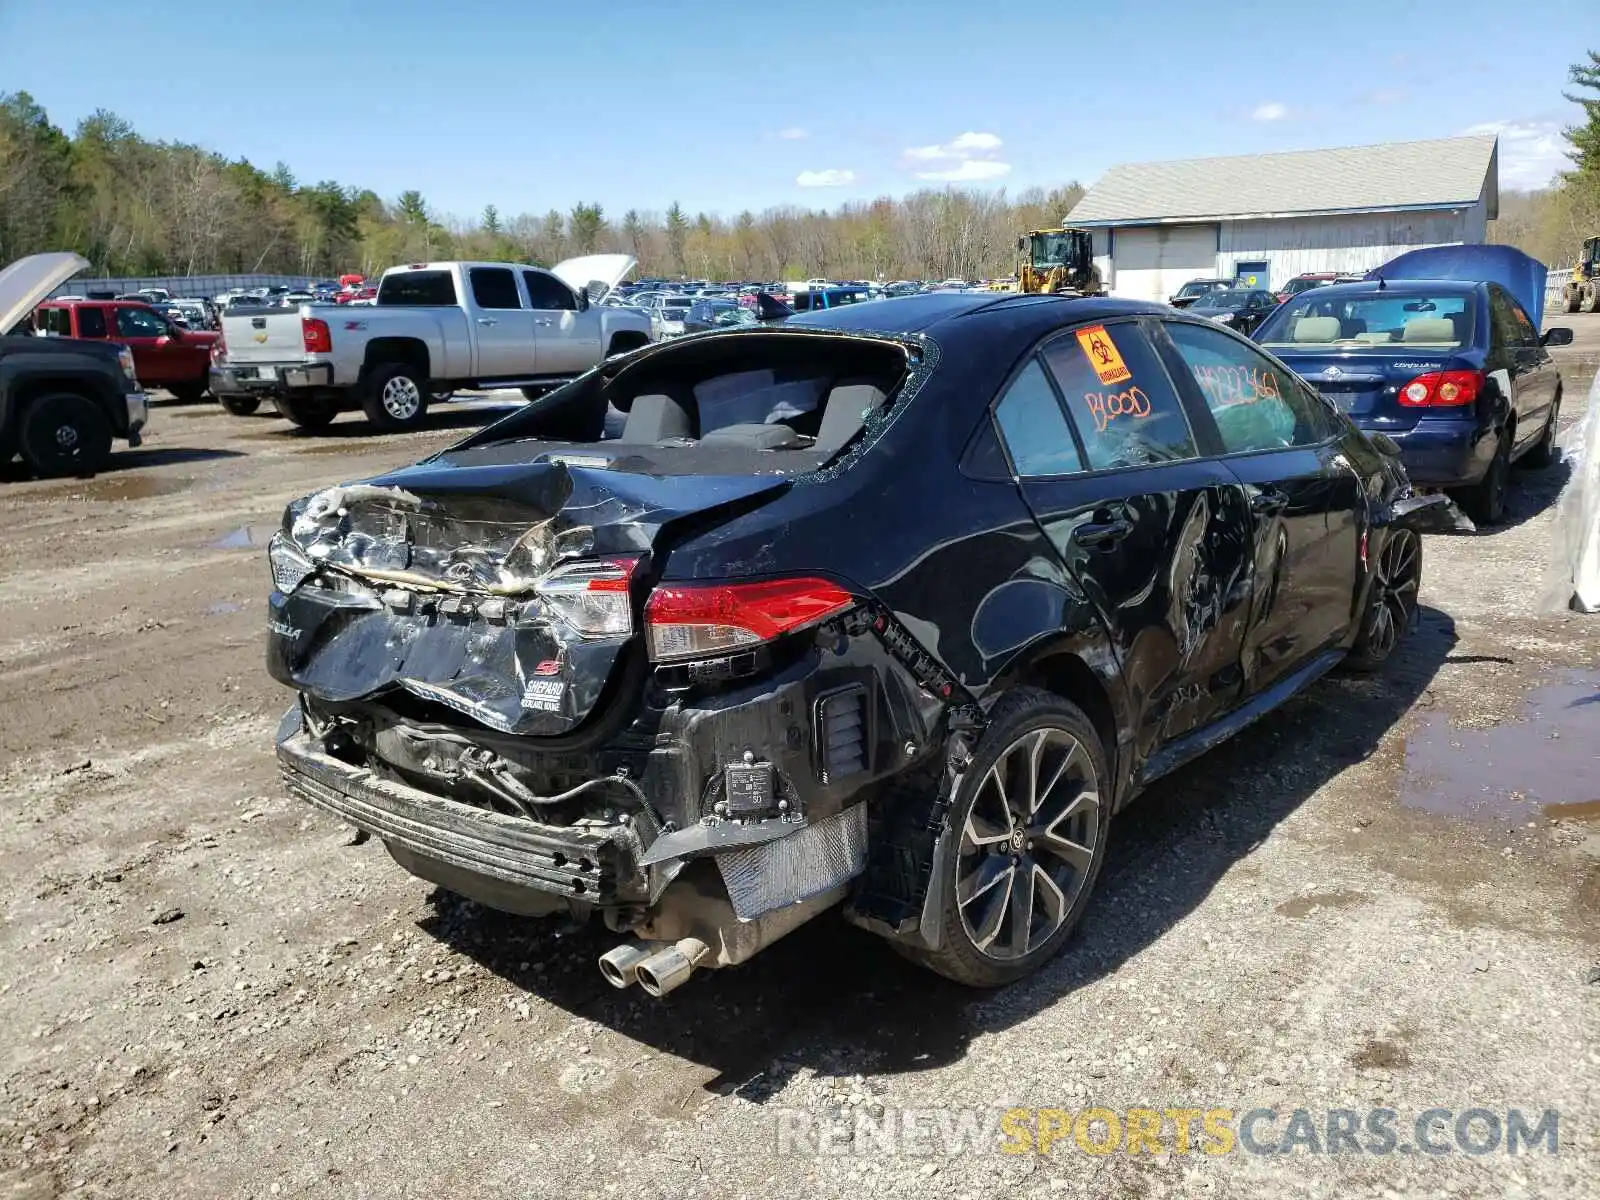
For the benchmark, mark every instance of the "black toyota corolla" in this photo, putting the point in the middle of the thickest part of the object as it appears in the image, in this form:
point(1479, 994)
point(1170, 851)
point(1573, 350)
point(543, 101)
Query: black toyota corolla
point(891, 607)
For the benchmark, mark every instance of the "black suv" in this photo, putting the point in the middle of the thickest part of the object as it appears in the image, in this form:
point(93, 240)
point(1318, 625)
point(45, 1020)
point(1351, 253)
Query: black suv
point(892, 606)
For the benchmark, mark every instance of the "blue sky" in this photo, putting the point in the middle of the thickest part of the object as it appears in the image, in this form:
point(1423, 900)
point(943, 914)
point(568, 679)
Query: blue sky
point(635, 103)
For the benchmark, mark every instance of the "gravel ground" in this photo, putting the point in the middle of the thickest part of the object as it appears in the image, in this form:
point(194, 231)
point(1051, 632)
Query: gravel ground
point(1366, 901)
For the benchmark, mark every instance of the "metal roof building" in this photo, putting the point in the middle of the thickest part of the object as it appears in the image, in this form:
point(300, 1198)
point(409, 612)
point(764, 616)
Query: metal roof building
point(1264, 218)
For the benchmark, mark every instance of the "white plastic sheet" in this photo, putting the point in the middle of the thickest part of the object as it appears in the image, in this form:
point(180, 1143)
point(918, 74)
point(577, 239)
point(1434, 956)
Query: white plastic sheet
point(1572, 582)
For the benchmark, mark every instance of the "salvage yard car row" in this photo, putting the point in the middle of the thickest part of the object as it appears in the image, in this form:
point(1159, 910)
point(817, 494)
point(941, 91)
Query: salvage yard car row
point(621, 656)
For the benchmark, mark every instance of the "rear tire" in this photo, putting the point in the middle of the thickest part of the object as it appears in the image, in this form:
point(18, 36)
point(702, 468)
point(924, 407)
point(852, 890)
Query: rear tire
point(1031, 813)
point(395, 397)
point(1544, 453)
point(64, 433)
point(1485, 501)
point(1573, 299)
point(1591, 299)
point(308, 412)
point(240, 405)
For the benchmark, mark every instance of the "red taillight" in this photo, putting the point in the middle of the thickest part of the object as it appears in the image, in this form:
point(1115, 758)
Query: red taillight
point(692, 620)
point(318, 338)
point(1441, 389)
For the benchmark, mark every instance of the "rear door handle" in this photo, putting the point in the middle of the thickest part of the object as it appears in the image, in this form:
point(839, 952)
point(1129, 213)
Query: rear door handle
point(487, 321)
point(543, 321)
point(1102, 533)
point(1267, 504)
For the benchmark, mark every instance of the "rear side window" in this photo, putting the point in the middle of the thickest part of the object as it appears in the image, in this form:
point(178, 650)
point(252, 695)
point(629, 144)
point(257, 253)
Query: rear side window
point(1034, 428)
point(417, 288)
point(57, 322)
point(494, 287)
point(546, 291)
point(1256, 404)
point(1119, 397)
point(91, 322)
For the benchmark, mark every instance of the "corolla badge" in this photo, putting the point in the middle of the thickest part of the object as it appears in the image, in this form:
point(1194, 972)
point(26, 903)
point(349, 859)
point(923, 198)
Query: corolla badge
point(1332, 373)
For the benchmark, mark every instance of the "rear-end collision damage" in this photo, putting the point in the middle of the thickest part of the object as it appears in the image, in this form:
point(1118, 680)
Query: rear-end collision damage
point(497, 683)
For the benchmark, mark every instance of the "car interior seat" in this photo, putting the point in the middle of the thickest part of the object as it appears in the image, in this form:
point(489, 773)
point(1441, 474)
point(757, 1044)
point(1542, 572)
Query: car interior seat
point(1428, 329)
point(1316, 329)
point(654, 418)
point(849, 405)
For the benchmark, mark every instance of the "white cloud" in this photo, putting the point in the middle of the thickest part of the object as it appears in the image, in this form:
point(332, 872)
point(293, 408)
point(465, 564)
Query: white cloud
point(1271, 111)
point(833, 177)
point(974, 170)
point(793, 135)
point(966, 158)
point(1531, 152)
point(962, 146)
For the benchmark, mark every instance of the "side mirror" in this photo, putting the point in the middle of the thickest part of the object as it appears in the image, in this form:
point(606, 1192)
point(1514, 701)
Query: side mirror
point(1558, 336)
point(583, 301)
point(1385, 443)
point(1022, 243)
point(164, 339)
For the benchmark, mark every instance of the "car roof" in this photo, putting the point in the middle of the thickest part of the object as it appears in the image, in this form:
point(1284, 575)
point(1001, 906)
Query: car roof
point(1440, 287)
point(929, 311)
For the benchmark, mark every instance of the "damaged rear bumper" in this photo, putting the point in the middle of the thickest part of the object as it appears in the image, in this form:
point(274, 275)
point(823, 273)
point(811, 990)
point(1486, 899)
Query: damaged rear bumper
point(575, 863)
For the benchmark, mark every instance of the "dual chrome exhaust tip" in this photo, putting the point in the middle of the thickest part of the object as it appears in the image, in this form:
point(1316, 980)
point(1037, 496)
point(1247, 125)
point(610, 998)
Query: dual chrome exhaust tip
point(658, 969)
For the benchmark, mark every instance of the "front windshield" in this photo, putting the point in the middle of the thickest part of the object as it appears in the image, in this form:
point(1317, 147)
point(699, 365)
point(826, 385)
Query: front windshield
point(1370, 320)
point(1195, 288)
point(1225, 299)
point(1051, 250)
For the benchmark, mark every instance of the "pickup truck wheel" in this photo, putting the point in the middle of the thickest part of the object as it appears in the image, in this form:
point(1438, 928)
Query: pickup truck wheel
point(65, 434)
point(396, 397)
point(1027, 838)
point(308, 412)
point(240, 405)
point(189, 393)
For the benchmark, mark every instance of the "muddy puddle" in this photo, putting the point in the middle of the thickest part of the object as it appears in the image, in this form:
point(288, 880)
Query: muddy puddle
point(115, 488)
point(246, 537)
point(1545, 764)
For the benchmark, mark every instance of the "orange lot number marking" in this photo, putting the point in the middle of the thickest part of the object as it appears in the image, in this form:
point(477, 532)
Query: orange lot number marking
point(1103, 355)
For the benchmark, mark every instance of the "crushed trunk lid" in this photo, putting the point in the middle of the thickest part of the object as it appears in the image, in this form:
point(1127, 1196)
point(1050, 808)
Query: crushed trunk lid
point(455, 580)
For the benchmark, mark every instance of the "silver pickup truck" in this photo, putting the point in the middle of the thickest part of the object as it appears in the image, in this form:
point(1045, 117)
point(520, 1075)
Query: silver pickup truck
point(435, 327)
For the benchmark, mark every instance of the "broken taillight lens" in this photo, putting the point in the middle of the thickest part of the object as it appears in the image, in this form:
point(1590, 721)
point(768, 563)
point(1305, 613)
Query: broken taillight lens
point(591, 596)
point(695, 620)
point(1441, 389)
point(289, 563)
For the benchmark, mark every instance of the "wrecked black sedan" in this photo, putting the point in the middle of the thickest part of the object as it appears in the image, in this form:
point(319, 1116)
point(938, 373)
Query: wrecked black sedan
point(890, 607)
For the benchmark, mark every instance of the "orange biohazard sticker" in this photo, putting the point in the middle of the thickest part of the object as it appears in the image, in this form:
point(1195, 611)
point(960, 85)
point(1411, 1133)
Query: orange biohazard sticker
point(1103, 355)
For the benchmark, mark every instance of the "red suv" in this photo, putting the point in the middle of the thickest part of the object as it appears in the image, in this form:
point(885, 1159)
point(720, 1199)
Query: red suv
point(165, 354)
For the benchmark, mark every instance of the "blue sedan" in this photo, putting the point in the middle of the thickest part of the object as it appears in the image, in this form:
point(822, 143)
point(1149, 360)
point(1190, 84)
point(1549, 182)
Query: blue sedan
point(1455, 371)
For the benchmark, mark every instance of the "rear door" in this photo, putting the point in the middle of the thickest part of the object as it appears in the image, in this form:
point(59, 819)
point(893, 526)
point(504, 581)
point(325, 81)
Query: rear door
point(1281, 441)
point(569, 340)
point(1533, 373)
point(502, 324)
point(1156, 534)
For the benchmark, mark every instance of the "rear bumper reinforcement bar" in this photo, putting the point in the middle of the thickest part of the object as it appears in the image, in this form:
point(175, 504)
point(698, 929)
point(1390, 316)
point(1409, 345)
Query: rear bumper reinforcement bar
point(577, 863)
